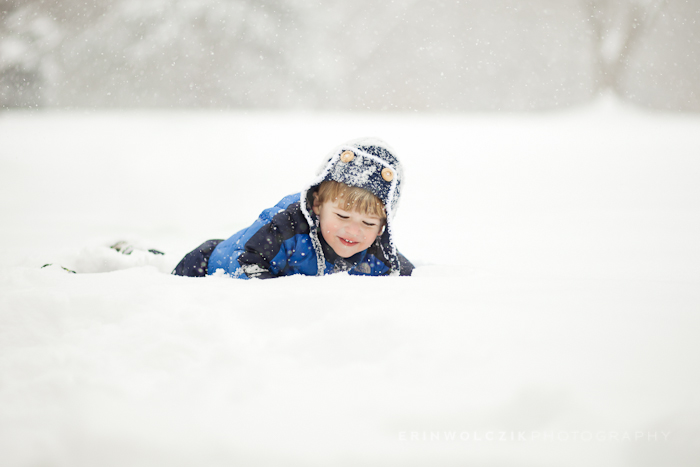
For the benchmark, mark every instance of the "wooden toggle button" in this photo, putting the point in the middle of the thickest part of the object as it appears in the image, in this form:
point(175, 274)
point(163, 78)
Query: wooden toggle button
point(387, 174)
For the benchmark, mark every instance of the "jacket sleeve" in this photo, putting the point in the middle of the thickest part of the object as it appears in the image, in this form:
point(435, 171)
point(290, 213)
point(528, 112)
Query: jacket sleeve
point(267, 251)
point(406, 267)
point(265, 255)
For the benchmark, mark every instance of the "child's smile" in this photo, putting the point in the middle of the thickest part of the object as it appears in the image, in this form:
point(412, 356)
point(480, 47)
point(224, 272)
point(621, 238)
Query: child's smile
point(347, 232)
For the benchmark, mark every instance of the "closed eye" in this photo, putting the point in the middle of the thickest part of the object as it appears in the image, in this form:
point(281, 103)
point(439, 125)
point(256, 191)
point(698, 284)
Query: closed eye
point(369, 224)
point(342, 216)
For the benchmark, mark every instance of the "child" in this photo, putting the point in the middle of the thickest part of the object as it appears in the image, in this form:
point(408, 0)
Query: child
point(351, 204)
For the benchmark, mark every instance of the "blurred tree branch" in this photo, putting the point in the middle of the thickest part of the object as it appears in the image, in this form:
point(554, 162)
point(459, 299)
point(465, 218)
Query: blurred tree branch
point(618, 27)
point(336, 54)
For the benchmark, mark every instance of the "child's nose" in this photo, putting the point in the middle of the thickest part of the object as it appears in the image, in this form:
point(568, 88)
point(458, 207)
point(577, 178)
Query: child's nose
point(353, 228)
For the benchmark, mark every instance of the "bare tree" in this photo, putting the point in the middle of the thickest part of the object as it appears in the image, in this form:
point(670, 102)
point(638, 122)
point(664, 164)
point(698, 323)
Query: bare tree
point(401, 55)
point(617, 28)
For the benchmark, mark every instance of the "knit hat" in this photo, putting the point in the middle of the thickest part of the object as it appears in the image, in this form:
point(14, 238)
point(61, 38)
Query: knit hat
point(367, 163)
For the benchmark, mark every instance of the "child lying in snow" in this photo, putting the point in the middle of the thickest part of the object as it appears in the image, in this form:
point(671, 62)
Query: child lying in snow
point(351, 203)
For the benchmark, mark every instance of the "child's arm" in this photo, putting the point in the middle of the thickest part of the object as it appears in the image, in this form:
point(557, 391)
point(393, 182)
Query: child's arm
point(265, 254)
point(267, 251)
point(405, 265)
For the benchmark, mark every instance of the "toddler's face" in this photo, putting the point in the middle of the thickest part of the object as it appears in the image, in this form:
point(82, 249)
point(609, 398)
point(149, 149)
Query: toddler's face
point(347, 232)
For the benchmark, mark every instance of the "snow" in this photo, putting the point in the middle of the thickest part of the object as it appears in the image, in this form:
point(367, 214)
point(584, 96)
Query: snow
point(552, 319)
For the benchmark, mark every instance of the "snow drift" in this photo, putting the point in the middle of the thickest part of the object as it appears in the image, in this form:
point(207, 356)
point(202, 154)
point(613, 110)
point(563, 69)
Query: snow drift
point(552, 319)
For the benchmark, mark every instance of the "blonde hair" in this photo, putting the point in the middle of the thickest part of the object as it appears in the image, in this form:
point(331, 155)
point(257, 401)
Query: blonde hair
point(351, 198)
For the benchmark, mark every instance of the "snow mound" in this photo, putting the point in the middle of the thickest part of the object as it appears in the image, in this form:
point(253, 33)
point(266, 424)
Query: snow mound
point(552, 318)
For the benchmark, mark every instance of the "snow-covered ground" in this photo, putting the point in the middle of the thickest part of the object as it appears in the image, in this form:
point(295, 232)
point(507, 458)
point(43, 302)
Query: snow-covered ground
point(553, 318)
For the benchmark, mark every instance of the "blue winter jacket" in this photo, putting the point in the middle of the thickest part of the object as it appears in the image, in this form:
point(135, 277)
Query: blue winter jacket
point(279, 243)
